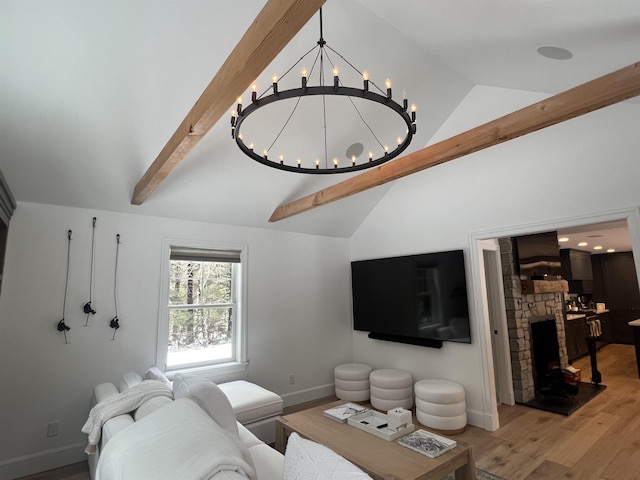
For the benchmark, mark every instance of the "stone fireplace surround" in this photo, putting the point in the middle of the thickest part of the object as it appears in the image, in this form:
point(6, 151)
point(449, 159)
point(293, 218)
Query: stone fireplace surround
point(522, 310)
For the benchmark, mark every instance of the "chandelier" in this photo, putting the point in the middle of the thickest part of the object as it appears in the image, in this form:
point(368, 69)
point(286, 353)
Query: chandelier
point(315, 155)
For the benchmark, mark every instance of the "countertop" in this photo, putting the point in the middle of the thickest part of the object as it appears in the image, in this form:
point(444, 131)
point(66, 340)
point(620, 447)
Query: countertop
point(571, 315)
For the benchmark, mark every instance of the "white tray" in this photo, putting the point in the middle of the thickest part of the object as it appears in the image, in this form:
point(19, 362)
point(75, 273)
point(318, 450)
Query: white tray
point(372, 422)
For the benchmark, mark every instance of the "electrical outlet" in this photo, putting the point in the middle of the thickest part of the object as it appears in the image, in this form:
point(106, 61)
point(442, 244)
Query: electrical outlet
point(292, 379)
point(52, 429)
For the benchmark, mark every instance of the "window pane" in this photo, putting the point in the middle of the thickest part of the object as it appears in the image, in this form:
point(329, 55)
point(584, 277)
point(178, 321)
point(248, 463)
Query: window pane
point(199, 335)
point(200, 283)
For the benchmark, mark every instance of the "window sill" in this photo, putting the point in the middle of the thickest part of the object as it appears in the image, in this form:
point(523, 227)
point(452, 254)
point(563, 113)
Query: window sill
point(213, 372)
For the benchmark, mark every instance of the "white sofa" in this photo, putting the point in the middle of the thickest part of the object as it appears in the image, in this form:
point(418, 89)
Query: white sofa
point(188, 430)
point(159, 411)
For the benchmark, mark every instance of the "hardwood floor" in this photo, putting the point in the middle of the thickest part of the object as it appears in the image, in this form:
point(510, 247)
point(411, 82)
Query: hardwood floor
point(600, 441)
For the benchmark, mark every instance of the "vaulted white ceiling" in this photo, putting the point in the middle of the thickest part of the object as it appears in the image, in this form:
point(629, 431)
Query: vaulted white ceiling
point(90, 92)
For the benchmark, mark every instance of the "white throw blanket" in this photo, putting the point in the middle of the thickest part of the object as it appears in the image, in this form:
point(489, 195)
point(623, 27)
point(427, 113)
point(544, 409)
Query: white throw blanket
point(176, 442)
point(125, 402)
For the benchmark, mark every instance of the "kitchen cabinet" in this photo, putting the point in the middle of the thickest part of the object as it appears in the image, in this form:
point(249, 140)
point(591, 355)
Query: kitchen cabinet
point(616, 284)
point(576, 268)
point(576, 264)
point(576, 338)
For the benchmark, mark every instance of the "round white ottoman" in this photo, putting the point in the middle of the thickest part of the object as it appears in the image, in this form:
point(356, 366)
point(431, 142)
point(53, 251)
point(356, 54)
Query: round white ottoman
point(352, 381)
point(440, 405)
point(391, 388)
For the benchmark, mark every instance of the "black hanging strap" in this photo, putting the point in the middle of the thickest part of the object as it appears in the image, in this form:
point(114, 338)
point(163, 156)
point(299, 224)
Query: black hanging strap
point(61, 326)
point(88, 309)
point(115, 322)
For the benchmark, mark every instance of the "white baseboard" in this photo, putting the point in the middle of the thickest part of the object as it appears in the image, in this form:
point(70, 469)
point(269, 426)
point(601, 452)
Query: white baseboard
point(42, 461)
point(483, 420)
point(308, 395)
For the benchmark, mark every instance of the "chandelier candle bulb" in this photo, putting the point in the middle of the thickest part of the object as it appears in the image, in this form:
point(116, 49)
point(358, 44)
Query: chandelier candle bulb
point(233, 118)
point(413, 112)
point(281, 159)
point(254, 92)
point(275, 83)
point(365, 78)
point(317, 164)
point(370, 156)
point(388, 83)
point(336, 80)
point(299, 163)
point(335, 163)
point(239, 105)
point(304, 78)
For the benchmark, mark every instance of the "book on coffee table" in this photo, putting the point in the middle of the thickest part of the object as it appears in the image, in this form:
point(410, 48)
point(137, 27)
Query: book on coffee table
point(427, 443)
point(341, 413)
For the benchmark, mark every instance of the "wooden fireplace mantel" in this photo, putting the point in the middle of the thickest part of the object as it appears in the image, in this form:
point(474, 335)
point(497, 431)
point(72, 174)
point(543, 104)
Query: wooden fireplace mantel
point(544, 286)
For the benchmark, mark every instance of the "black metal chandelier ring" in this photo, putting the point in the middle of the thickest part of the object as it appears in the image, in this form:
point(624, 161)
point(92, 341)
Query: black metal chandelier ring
point(387, 101)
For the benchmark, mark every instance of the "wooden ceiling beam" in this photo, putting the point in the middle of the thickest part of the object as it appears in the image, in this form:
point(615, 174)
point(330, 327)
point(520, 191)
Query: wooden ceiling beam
point(601, 92)
point(276, 24)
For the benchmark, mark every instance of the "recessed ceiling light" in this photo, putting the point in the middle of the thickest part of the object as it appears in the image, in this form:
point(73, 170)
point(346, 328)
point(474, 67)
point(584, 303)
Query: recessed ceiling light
point(563, 239)
point(555, 53)
point(583, 244)
point(597, 247)
point(611, 250)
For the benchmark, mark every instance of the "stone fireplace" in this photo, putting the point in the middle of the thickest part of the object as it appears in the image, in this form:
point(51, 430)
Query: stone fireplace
point(523, 309)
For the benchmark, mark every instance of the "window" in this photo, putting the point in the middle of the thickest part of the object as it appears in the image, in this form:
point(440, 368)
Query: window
point(201, 321)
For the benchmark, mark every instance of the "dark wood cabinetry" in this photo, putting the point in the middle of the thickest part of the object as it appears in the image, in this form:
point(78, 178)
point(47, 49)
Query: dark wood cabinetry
point(576, 268)
point(576, 338)
point(576, 332)
point(616, 284)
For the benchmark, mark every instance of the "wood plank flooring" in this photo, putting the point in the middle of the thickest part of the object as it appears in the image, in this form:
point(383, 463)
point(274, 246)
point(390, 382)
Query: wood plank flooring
point(601, 441)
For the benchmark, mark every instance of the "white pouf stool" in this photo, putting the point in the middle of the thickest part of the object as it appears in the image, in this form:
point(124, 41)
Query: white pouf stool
point(440, 405)
point(391, 388)
point(255, 407)
point(352, 381)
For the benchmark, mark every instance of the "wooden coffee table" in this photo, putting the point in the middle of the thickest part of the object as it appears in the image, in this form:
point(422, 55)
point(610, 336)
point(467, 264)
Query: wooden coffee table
point(381, 459)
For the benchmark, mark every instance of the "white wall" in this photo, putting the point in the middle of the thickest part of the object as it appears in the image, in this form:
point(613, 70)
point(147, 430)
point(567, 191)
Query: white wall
point(298, 312)
point(580, 168)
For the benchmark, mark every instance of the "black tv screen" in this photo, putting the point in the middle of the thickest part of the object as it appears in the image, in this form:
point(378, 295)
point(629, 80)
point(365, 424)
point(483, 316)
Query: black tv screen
point(412, 299)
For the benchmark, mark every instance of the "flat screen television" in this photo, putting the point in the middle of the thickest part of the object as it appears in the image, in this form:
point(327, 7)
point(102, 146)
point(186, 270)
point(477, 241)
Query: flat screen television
point(539, 255)
point(415, 299)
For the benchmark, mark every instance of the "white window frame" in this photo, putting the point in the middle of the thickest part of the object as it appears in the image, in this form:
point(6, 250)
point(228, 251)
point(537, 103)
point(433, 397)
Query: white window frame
point(239, 363)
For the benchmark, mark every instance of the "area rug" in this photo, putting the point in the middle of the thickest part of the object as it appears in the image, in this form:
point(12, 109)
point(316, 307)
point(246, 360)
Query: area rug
point(480, 474)
point(586, 392)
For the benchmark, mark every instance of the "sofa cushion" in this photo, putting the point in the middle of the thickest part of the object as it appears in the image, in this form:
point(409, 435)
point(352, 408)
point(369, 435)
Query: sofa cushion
point(307, 460)
point(104, 391)
point(208, 396)
point(267, 461)
point(129, 380)
point(154, 373)
point(180, 435)
point(150, 406)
